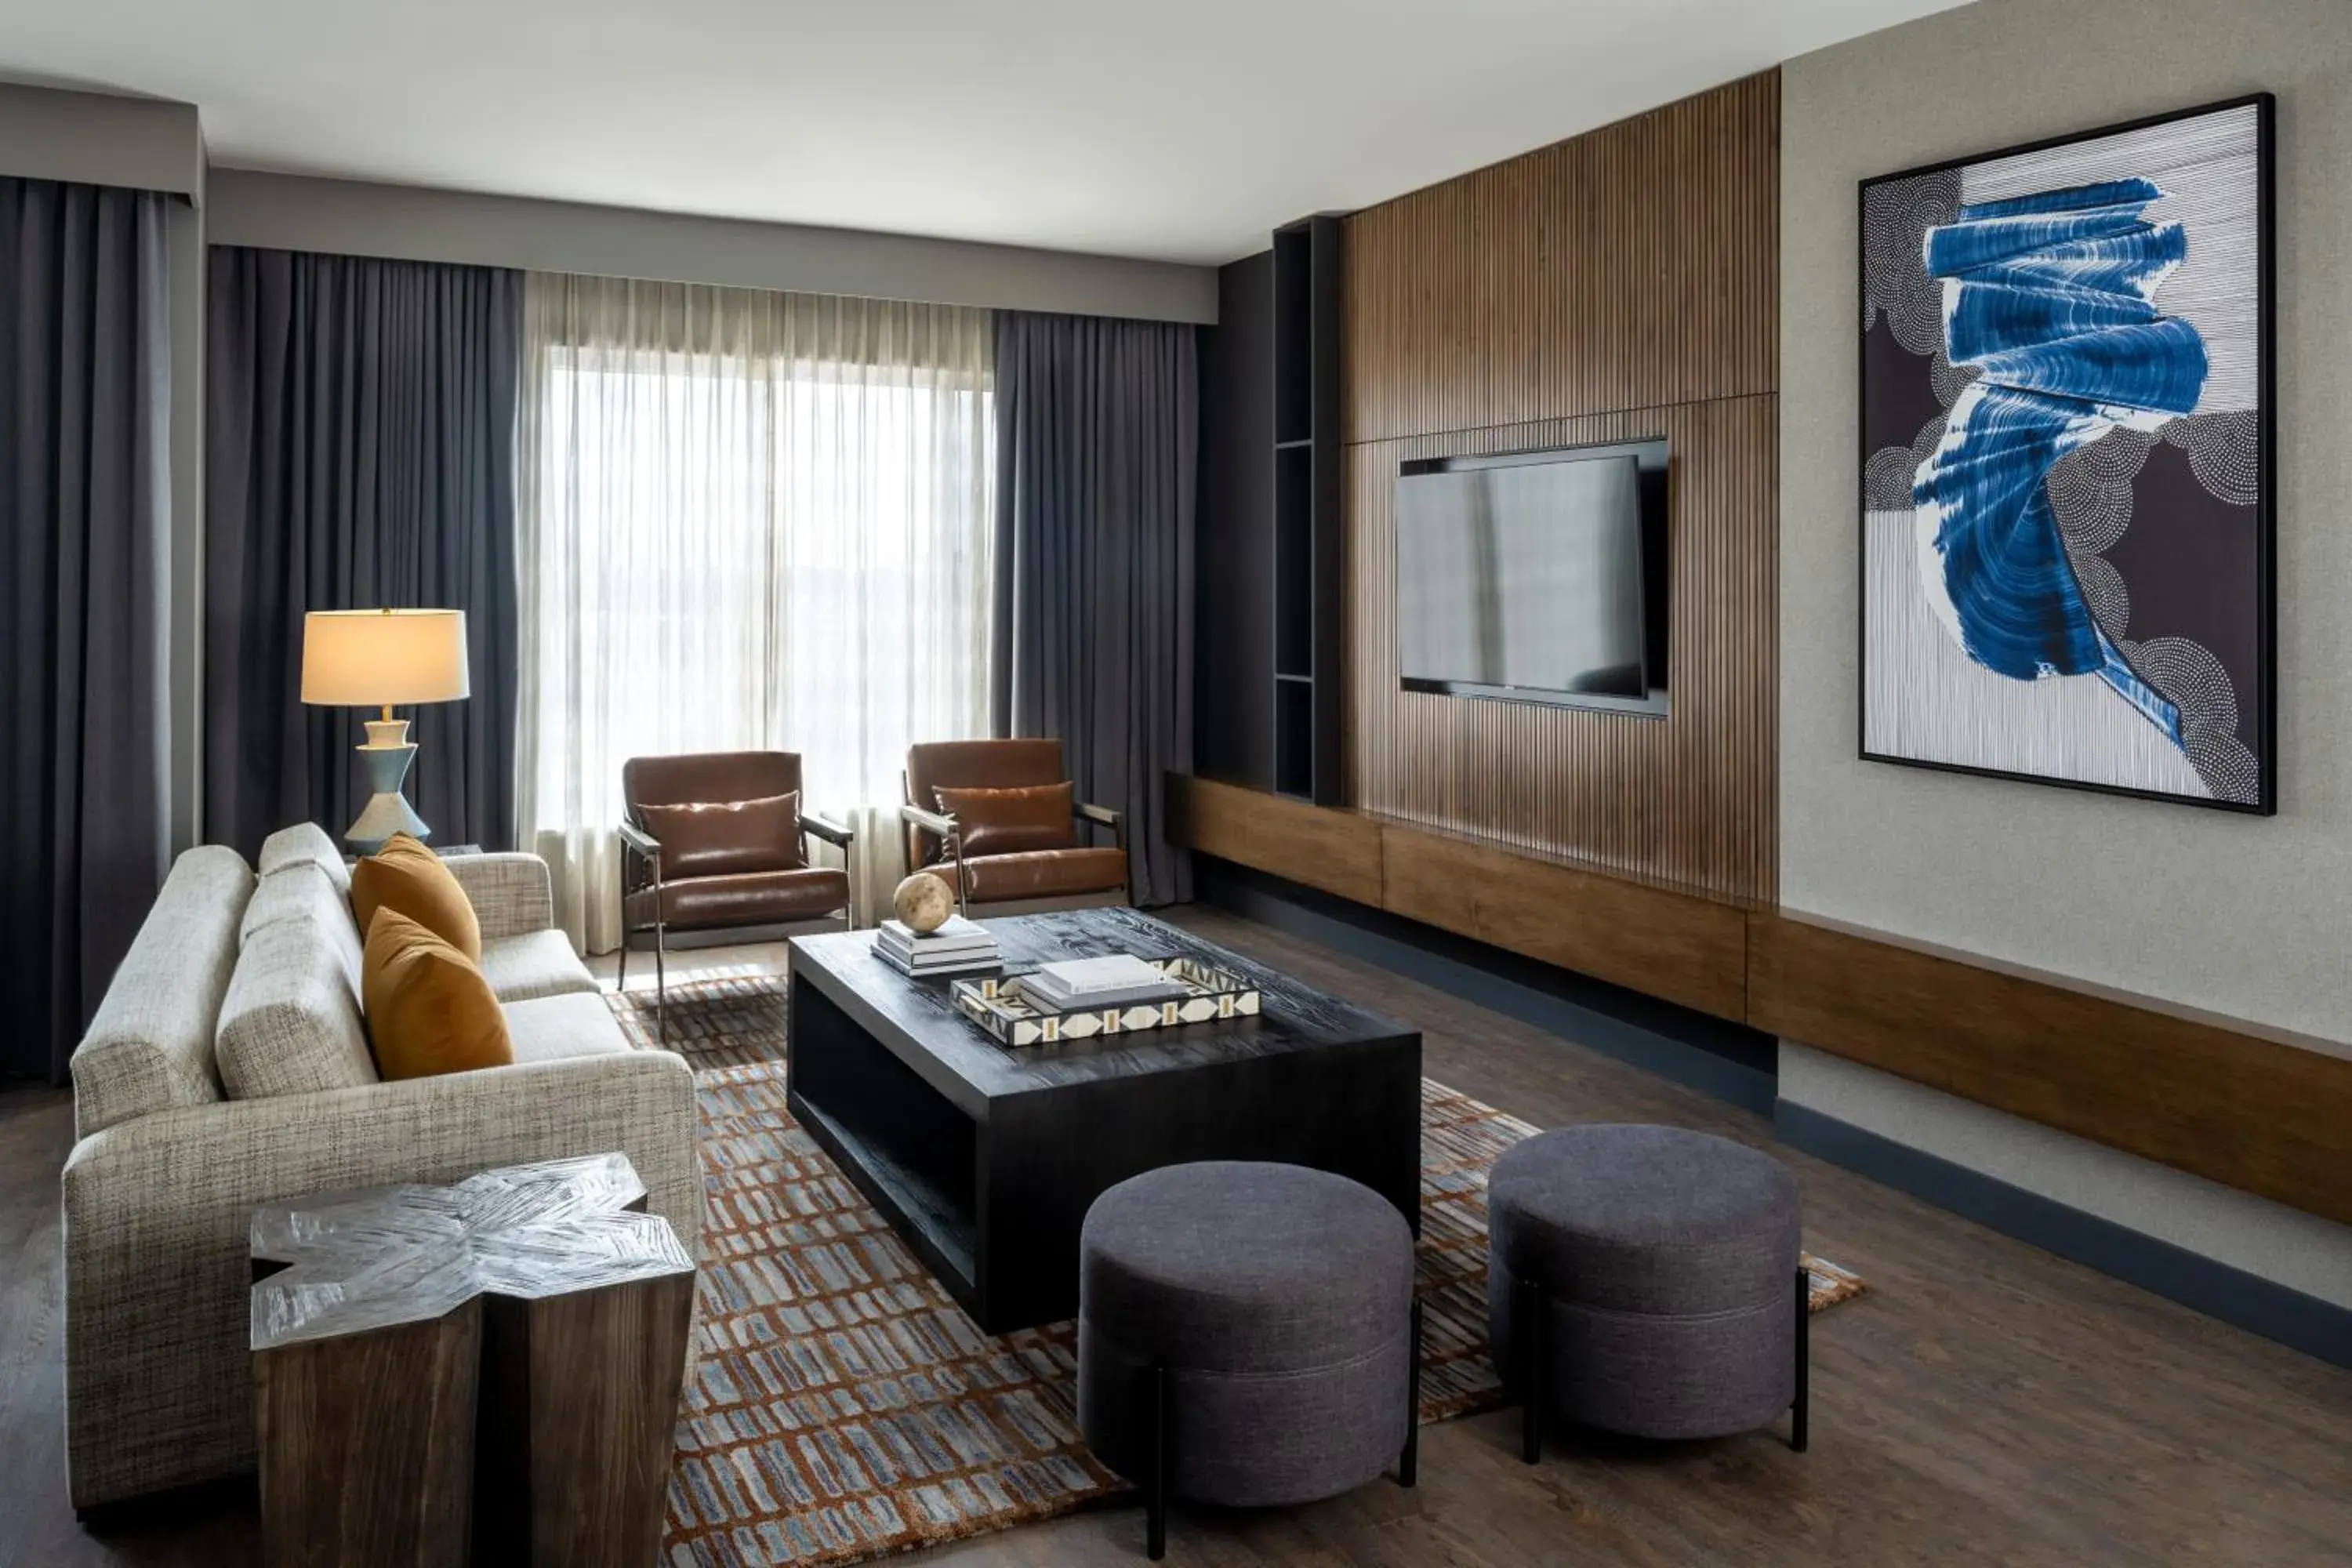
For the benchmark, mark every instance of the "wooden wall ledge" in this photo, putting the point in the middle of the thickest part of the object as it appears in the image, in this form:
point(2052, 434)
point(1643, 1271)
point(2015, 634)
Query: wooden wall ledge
point(2220, 1099)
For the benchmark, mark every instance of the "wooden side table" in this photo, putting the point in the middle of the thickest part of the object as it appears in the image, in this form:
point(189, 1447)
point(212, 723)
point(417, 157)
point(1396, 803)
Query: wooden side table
point(493, 1367)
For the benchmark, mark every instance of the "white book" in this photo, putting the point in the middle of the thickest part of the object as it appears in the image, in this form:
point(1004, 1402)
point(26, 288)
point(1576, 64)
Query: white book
point(956, 935)
point(938, 969)
point(1081, 978)
point(1096, 1001)
point(934, 954)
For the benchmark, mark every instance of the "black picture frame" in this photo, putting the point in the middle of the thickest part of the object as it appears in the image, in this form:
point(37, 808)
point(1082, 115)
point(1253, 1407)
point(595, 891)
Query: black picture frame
point(2266, 505)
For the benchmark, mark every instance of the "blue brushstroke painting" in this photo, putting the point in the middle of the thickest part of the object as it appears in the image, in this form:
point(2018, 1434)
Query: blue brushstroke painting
point(2052, 297)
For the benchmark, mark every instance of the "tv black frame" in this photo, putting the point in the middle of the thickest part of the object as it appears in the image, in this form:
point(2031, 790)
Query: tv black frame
point(2266, 803)
point(1654, 465)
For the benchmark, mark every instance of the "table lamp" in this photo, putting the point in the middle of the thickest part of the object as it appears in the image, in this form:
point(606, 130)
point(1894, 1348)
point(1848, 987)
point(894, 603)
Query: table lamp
point(374, 658)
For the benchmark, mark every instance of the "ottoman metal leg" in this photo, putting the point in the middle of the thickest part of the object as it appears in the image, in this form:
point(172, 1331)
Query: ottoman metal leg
point(1530, 1337)
point(1804, 1360)
point(1155, 1485)
point(1409, 1462)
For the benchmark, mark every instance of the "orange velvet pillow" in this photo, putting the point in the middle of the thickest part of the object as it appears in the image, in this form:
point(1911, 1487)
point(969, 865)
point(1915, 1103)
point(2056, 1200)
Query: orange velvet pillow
point(405, 876)
point(1010, 821)
point(430, 1010)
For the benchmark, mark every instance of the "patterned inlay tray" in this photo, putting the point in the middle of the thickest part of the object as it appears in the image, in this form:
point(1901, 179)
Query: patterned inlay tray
point(998, 1004)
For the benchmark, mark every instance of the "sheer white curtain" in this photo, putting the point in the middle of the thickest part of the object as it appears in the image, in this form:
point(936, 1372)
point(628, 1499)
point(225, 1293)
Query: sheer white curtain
point(746, 519)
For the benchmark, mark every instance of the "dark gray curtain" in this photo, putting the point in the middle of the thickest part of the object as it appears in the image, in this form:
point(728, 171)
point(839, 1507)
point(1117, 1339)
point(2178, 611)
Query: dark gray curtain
point(359, 452)
point(85, 469)
point(1096, 433)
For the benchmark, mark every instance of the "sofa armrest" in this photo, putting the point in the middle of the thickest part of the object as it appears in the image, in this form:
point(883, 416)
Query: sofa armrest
point(509, 891)
point(157, 1210)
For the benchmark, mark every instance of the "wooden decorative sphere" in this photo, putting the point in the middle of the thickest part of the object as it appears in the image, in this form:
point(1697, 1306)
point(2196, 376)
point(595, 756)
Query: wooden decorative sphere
point(924, 901)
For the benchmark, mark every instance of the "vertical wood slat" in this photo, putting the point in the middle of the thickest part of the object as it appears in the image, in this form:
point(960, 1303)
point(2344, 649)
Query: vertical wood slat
point(1618, 285)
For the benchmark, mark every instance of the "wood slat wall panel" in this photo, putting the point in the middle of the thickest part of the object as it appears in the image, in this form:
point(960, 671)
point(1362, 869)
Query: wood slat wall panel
point(1692, 798)
point(1631, 268)
point(1618, 285)
point(2254, 1114)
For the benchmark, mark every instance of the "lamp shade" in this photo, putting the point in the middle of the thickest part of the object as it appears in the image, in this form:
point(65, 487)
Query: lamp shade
point(376, 658)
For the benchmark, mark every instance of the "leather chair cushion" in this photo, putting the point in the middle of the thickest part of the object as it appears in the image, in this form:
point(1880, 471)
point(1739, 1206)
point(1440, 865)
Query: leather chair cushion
point(722, 838)
point(1010, 821)
point(746, 898)
point(1041, 874)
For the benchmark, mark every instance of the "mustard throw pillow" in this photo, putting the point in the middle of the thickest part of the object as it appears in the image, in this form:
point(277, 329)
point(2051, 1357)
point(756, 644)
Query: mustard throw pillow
point(405, 876)
point(429, 1008)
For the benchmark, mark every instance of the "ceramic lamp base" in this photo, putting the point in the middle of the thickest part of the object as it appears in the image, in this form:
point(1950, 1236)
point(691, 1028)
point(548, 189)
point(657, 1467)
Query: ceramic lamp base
point(387, 812)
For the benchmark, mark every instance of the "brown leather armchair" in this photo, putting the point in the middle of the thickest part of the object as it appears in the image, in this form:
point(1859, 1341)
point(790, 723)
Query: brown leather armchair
point(715, 849)
point(1070, 875)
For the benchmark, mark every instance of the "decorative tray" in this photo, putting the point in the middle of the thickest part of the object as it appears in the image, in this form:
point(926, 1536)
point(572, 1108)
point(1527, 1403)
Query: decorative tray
point(997, 1003)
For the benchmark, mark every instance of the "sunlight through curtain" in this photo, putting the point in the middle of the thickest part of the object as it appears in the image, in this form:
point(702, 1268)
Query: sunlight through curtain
point(746, 519)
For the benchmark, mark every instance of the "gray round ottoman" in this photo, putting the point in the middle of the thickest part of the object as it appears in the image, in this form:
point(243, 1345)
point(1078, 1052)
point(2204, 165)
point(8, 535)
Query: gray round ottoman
point(1248, 1335)
point(1644, 1280)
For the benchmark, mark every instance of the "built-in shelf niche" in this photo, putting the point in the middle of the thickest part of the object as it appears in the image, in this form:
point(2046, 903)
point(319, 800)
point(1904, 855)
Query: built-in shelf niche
point(1309, 557)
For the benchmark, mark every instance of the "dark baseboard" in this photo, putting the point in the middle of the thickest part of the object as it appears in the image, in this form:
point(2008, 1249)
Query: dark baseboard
point(2260, 1306)
point(1718, 1058)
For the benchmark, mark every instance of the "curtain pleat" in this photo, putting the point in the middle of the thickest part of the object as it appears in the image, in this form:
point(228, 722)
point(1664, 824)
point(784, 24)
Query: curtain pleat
point(1097, 436)
point(85, 402)
point(359, 452)
point(748, 520)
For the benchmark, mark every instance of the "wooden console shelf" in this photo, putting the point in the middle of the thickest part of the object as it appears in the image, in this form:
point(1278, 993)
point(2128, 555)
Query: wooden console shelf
point(1686, 947)
point(2218, 1099)
point(2196, 1094)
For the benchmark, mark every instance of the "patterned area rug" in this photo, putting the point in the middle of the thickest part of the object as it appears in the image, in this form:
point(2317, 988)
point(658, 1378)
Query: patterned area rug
point(843, 1408)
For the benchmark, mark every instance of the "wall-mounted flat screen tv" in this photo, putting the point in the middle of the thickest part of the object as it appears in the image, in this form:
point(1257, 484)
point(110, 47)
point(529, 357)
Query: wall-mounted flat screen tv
point(1536, 577)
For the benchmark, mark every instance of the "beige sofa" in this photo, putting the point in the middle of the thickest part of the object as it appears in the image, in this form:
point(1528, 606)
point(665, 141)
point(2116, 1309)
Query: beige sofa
point(228, 1064)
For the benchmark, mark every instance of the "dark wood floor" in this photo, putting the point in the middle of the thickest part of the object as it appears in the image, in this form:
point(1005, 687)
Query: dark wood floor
point(1985, 1403)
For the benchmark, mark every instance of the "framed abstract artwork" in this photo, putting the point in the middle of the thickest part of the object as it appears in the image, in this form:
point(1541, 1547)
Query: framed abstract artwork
point(2067, 462)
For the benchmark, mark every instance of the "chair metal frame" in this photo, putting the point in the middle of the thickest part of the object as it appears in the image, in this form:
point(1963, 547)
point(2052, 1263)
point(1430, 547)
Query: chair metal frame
point(641, 849)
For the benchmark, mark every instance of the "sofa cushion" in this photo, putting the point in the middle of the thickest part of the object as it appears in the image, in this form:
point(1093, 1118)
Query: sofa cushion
point(1011, 821)
point(304, 844)
point(548, 1029)
point(536, 964)
point(302, 890)
point(291, 1021)
point(149, 1046)
point(407, 877)
point(429, 1008)
point(722, 838)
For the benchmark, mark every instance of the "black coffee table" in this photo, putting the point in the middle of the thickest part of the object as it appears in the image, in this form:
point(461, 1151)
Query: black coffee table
point(986, 1158)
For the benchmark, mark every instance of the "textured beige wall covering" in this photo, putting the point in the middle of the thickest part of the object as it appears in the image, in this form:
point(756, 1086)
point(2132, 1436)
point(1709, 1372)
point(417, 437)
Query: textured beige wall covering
point(2244, 917)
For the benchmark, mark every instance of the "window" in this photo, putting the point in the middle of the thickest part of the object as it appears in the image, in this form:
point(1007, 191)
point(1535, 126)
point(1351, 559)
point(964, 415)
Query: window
point(747, 520)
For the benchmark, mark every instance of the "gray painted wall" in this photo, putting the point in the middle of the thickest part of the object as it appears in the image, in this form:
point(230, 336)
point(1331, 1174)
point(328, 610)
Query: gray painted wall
point(290, 212)
point(2243, 917)
point(140, 144)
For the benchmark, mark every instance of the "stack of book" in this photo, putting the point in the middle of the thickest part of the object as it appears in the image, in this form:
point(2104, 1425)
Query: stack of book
point(1089, 984)
point(959, 947)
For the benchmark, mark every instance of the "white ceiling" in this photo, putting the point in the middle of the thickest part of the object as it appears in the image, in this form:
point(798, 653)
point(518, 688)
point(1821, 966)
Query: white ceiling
point(1177, 132)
